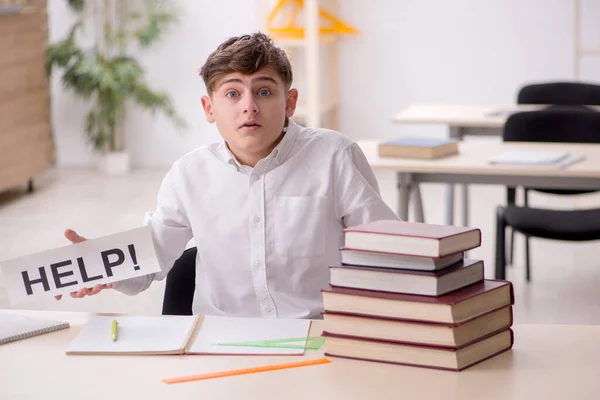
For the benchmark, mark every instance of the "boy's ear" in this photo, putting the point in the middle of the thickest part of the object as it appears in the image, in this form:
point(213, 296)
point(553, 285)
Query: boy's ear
point(207, 106)
point(290, 103)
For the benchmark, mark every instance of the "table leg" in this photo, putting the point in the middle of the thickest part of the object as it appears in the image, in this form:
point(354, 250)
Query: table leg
point(465, 205)
point(418, 202)
point(450, 204)
point(456, 132)
point(403, 181)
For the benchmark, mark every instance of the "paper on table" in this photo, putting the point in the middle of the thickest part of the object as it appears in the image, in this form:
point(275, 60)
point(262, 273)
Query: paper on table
point(214, 330)
point(136, 335)
point(547, 159)
point(529, 157)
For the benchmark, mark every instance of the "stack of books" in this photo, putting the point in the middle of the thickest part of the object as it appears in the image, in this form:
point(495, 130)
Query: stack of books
point(406, 294)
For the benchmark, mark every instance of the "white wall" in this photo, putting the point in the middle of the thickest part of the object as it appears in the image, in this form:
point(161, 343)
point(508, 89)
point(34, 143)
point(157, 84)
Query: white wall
point(409, 51)
point(171, 65)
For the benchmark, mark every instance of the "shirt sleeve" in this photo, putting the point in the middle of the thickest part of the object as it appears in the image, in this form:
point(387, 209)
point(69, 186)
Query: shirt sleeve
point(357, 196)
point(171, 232)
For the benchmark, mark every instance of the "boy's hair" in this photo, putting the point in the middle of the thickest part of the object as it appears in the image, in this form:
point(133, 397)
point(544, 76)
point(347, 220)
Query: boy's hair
point(245, 54)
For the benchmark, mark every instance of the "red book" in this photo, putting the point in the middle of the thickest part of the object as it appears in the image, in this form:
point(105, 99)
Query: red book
point(454, 359)
point(412, 238)
point(427, 333)
point(455, 307)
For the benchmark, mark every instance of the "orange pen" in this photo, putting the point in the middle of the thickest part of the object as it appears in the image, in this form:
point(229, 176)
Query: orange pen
point(243, 371)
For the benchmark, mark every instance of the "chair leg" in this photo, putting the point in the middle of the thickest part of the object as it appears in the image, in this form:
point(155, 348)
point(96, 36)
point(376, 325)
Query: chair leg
point(500, 244)
point(512, 247)
point(511, 197)
point(527, 270)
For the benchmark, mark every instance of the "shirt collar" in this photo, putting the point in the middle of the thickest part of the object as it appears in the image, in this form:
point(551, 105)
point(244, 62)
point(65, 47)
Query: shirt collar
point(280, 152)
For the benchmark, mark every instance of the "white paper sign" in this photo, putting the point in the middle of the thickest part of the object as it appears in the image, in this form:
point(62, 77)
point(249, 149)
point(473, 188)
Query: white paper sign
point(66, 269)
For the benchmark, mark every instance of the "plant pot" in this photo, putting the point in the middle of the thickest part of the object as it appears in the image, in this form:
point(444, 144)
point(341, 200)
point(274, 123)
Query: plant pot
point(114, 163)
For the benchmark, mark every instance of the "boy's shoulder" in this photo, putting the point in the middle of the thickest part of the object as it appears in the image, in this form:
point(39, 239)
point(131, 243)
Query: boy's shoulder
point(324, 137)
point(201, 156)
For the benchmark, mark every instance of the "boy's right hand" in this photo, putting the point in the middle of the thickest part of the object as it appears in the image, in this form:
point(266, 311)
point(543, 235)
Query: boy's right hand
point(73, 237)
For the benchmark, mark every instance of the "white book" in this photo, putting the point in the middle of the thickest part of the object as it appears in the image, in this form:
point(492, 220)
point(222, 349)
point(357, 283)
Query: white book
point(16, 327)
point(197, 334)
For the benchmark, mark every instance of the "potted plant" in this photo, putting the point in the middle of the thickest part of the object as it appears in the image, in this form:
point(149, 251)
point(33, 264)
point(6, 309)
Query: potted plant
point(107, 74)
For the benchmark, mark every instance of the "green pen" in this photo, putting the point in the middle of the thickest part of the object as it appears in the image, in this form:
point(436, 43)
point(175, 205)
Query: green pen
point(113, 331)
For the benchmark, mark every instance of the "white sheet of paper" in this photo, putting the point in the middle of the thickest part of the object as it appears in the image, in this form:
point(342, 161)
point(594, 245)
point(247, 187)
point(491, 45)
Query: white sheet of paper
point(136, 334)
point(214, 330)
point(66, 269)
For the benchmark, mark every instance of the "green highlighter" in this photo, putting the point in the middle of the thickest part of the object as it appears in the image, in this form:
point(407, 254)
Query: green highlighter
point(307, 343)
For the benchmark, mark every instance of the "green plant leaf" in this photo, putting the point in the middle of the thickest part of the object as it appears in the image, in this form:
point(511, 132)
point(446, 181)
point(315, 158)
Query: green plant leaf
point(76, 5)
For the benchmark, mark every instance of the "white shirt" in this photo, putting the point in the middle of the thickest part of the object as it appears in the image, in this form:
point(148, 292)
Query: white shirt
point(265, 235)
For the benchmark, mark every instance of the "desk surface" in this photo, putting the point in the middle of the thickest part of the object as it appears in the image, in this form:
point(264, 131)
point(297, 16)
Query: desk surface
point(462, 115)
point(473, 157)
point(457, 115)
point(547, 362)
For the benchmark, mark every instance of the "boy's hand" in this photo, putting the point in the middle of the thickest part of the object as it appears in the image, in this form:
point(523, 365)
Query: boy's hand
point(73, 237)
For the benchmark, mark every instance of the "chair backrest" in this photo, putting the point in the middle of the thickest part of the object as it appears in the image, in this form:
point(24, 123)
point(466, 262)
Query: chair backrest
point(562, 93)
point(180, 285)
point(554, 125)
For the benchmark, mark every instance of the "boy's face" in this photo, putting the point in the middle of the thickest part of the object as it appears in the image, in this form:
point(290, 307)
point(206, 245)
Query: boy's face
point(250, 112)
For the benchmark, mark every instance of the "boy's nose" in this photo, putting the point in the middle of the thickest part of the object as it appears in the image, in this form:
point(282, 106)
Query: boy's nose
point(250, 106)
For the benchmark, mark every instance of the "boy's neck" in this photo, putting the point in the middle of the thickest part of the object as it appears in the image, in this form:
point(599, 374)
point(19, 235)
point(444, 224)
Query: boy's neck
point(252, 159)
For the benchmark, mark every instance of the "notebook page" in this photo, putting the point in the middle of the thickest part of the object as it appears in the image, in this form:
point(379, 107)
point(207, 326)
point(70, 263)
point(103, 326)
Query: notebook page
point(136, 334)
point(214, 330)
point(15, 327)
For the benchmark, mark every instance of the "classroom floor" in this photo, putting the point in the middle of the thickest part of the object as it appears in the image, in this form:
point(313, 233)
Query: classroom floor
point(565, 276)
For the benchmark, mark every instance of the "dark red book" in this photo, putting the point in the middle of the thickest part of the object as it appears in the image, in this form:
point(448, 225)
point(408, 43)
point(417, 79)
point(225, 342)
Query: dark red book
point(453, 359)
point(455, 307)
point(412, 238)
point(427, 333)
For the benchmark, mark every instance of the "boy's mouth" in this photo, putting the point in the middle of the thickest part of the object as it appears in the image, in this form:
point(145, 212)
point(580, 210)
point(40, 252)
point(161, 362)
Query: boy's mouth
point(251, 125)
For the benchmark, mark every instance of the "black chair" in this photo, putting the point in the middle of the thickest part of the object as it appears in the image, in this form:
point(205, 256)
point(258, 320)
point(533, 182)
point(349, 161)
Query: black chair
point(561, 93)
point(553, 125)
point(180, 285)
point(567, 95)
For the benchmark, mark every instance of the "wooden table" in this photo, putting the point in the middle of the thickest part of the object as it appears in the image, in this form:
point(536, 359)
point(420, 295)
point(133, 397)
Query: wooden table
point(547, 362)
point(463, 120)
point(471, 166)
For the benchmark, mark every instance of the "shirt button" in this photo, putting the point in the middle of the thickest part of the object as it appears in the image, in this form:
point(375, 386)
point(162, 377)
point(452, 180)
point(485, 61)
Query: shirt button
point(256, 219)
point(257, 264)
point(267, 308)
point(256, 177)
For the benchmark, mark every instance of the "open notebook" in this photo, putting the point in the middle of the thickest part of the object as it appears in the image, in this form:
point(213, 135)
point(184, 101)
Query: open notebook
point(196, 334)
point(15, 327)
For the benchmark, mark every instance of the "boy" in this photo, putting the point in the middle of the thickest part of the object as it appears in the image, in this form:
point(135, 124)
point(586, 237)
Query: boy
point(268, 205)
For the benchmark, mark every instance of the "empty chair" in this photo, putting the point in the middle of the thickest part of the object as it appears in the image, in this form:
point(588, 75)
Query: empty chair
point(561, 94)
point(568, 126)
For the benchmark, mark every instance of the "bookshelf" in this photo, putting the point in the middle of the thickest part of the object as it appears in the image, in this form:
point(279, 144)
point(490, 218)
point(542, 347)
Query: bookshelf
point(311, 45)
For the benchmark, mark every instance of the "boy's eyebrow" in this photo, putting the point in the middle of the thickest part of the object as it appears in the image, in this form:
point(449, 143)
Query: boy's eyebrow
point(238, 80)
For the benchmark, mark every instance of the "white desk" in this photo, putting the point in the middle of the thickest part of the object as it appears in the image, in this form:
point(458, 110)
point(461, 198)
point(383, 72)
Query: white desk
point(471, 166)
point(462, 120)
point(547, 362)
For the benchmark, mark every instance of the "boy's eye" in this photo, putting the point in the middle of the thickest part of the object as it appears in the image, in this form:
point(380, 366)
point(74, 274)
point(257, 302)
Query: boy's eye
point(231, 95)
point(264, 92)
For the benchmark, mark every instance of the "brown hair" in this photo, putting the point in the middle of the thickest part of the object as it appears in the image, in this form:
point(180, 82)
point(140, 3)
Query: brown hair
point(245, 54)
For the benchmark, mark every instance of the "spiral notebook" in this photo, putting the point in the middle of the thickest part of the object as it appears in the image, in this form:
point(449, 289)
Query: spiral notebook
point(16, 327)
